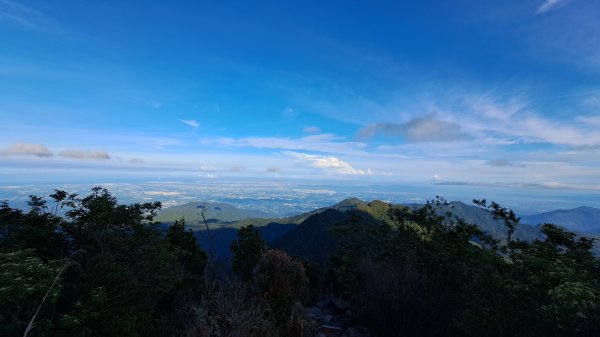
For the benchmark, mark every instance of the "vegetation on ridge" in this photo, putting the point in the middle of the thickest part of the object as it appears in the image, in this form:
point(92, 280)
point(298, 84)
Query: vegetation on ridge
point(107, 269)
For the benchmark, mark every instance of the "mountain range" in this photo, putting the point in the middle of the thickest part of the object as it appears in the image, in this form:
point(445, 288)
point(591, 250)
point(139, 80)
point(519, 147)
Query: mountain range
point(584, 220)
point(308, 235)
point(214, 212)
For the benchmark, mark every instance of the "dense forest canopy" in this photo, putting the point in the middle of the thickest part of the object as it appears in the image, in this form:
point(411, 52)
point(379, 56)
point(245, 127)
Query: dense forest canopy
point(107, 269)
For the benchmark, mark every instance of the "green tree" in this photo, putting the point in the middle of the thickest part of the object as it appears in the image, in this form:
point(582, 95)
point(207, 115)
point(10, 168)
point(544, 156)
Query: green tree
point(26, 284)
point(36, 229)
point(192, 259)
point(128, 268)
point(247, 251)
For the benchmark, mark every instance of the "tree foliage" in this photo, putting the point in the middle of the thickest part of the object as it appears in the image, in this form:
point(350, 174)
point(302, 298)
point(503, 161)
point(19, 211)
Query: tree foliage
point(423, 267)
point(247, 251)
point(191, 258)
point(122, 270)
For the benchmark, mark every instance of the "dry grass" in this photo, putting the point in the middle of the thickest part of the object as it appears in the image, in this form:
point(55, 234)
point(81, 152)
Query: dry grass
point(231, 312)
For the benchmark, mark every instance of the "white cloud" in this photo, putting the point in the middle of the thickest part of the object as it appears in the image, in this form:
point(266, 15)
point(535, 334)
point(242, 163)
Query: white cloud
point(311, 130)
point(190, 122)
point(80, 154)
point(487, 106)
point(207, 171)
point(290, 113)
point(593, 120)
point(325, 162)
point(26, 149)
point(551, 4)
point(554, 132)
point(496, 122)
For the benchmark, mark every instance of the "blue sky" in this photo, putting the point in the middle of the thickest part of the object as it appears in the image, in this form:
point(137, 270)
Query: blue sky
point(483, 93)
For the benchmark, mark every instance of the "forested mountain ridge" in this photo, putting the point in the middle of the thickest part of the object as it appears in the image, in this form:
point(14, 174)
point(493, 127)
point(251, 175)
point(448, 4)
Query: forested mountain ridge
point(314, 239)
point(108, 269)
point(225, 219)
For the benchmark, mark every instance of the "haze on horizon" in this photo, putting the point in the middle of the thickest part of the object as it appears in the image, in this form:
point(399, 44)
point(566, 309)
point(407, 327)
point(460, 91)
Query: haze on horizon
point(468, 93)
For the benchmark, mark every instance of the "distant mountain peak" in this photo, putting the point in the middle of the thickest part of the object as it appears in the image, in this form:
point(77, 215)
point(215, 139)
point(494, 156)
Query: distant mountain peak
point(350, 201)
point(583, 219)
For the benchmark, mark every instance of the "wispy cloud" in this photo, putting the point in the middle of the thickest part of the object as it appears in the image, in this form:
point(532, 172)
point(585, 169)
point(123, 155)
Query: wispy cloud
point(83, 154)
point(190, 122)
point(157, 142)
point(504, 122)
point(26, 149)
point(325, 162)
point(24, 16)
point(571, 38)
point(153, 103)
point(551, 4)
point(290, 113)
point(322, 143)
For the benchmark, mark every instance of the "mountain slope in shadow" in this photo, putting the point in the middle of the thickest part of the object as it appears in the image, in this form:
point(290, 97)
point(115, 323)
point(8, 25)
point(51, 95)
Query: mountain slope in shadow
point(314, 238)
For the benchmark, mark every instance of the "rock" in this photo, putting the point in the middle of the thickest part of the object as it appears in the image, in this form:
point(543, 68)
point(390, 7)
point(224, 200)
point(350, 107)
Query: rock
point(339, 303)
point(322, 304)
point(312, 312)
point(335, 318)
point(358, 331)
point(352, 332)
point(330, 330)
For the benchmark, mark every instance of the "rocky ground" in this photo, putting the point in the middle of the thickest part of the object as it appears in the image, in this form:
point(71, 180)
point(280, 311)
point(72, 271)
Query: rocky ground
point(332, 318)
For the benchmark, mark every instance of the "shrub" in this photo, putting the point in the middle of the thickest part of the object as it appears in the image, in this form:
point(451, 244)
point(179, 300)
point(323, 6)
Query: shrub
point(279, 277)
point(230, 312)
point(281, 280)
